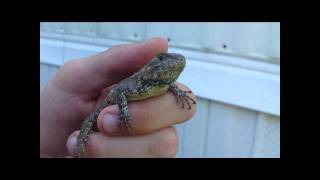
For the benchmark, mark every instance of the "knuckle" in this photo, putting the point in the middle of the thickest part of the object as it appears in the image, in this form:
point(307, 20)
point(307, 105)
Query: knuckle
point(65, 68)
point(65, 71)
point(94, 149)
point(167, 144)
point(68, 65)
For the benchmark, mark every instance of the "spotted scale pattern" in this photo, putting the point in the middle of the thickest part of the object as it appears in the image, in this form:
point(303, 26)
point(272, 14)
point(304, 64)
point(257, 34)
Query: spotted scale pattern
point(154, 79)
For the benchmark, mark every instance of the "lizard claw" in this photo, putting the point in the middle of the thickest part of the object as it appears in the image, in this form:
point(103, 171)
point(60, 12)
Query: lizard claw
point(182, 97)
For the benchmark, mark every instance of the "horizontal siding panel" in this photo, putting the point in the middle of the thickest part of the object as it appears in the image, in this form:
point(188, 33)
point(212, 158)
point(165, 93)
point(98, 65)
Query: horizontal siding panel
point(81, 28)
point(159, 29)
point(254, 37)
point(184, 35)
point(219, 37)
point(56, 27)
point(122, 31)
point(253, 40)
point(244, 39)
point(245, 88)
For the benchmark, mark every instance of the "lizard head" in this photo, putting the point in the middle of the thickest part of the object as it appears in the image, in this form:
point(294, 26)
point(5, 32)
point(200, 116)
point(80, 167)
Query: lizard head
point(165, 67)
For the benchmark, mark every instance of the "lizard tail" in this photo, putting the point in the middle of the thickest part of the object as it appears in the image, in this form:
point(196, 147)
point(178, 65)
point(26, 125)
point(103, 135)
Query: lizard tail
point(87, 128)
point(84, 132)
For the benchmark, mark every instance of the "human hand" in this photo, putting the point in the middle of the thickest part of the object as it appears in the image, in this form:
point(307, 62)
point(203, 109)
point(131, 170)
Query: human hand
point(81, 84)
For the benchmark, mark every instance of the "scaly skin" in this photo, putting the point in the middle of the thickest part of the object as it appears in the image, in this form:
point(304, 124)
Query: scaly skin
point(154, 79)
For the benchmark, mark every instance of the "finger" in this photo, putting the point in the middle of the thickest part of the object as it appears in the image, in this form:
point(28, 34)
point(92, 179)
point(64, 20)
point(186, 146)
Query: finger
point(162, 143)
point(96, 72)
point(148, 115)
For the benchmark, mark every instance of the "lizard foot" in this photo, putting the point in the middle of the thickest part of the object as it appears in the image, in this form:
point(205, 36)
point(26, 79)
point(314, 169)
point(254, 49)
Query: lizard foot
point(182, 96)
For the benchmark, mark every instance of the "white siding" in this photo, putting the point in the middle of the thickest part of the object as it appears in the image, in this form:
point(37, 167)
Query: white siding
point(230, 131)
point(218, 129)
point(52, 52)
point(124, 31)
point(259, 41)
point(47, 72)
point(267, 138)
point(83, 29)
point(238, 113)
point(52, 27)
point(44, 71)
point(185, 35)
point(195, 135)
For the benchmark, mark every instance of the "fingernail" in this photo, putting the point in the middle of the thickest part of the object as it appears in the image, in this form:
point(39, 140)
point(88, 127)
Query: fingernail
point(110, 123)
point(71, 145)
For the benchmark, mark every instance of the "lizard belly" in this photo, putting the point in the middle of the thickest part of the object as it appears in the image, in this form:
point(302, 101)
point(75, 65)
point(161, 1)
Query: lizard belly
point(148, 92)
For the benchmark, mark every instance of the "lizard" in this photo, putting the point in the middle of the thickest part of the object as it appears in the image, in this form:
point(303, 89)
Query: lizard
point(154, 79)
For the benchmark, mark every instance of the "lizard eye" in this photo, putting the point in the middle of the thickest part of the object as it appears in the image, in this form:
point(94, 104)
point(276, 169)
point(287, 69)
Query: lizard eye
point(160, 56)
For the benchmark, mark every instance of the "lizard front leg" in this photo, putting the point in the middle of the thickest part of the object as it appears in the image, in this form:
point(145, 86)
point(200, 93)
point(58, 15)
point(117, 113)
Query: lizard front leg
point(182, 96)
point(124, 117)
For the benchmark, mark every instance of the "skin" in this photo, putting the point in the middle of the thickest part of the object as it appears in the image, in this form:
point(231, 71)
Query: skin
point(81, 84)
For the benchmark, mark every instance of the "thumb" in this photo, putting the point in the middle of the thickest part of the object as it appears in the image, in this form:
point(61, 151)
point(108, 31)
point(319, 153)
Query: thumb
point(96, 72)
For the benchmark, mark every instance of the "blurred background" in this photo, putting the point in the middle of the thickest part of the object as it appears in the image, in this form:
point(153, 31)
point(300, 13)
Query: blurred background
point(232, 68)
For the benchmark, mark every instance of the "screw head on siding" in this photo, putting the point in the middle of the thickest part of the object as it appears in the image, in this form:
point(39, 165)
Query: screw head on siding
point(91, 32)
point(61, 29)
